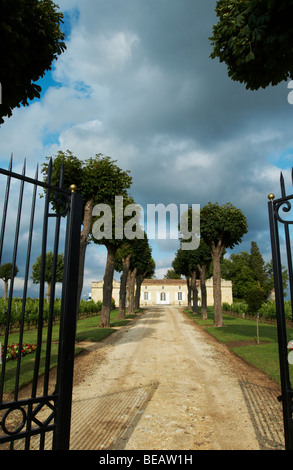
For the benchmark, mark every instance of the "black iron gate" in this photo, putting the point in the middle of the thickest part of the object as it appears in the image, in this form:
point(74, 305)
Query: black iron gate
point(279, 216)
point(38, 415)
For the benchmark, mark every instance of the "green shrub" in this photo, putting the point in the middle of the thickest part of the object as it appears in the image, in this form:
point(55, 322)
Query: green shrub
point(239, 307)
point(268, 310)
point(226, 307)
point(89, 307)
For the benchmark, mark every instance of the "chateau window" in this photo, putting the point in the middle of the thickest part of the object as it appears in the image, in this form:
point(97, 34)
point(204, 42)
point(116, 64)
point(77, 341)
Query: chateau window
point(179, 295)
point(163, 296)
point(146, 296)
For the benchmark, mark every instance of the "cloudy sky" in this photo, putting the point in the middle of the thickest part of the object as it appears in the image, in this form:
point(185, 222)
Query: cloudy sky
point(137, 83)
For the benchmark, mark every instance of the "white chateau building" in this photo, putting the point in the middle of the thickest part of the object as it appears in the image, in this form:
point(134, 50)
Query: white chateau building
point(165, 292)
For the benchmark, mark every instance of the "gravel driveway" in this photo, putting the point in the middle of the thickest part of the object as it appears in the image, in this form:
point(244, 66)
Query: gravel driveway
point(162, 383)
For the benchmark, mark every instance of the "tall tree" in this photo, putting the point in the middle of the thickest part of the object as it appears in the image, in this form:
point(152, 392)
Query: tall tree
point(254, 39)
point(197, 260)
point(135, 261)
point(221, 227)
point(203, 259)
point(98, 180)
point(147, 273)
point(58, 274)
point(181, 266)
point(257, 264)
point(31, 39)
point(6, 274)
point(122, 264)
point(113, 216)
point(145, 267)
point(185, 263)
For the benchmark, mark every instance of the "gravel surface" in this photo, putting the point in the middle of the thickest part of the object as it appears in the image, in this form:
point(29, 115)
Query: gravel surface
point(162, 383)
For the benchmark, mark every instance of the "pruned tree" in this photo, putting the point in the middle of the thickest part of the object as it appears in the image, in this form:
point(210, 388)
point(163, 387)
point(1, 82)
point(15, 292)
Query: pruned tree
point(134, 259)
point(221, 227)
point(181, 265)
point(112, 217)
point(203, 259)
point(122, 264)
point(146, 266)
point(148, 273)
point(7, 273)
point(98, 180)
point(49, 273)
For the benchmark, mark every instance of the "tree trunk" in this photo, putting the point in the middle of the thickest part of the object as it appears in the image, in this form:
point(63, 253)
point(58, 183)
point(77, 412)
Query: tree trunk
point(123, 287)
point(84, 239)
point(5, 290)
point(216, 256)
point(48, 293)
point(139, 281)
point(131, 289)
point(107, 287)
point(188, 293)
point(202, 270)
point(194, 292)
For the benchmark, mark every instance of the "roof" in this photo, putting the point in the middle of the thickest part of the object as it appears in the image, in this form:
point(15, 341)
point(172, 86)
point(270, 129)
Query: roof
point(164, 282)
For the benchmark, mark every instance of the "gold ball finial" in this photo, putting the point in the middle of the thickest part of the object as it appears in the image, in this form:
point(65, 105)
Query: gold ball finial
point(271, 196)
point(73, 188)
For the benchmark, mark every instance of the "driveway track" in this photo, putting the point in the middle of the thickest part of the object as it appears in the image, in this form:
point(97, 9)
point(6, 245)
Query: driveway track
point(162, 383)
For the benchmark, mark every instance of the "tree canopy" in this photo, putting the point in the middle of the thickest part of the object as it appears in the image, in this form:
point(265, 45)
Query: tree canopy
point(172, 274)
point(97, 178)
point(6, 274)
point(254, 39)
point(49, 272)
point(222, 226)
point(31, 38)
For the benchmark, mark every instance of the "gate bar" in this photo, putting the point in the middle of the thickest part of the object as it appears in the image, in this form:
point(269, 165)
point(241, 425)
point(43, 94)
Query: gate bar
point(287, 392)
point(69, 308)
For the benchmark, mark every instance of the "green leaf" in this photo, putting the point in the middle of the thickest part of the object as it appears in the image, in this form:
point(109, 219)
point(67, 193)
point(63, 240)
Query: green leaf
point(250, 56)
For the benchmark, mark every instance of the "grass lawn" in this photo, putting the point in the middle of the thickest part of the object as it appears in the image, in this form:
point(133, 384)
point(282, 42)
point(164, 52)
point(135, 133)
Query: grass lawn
point(240, 335)
point(86, 331)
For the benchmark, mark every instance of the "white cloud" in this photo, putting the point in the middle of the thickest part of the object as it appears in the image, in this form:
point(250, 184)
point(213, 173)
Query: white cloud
point(93, 57)
point(194, 160)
